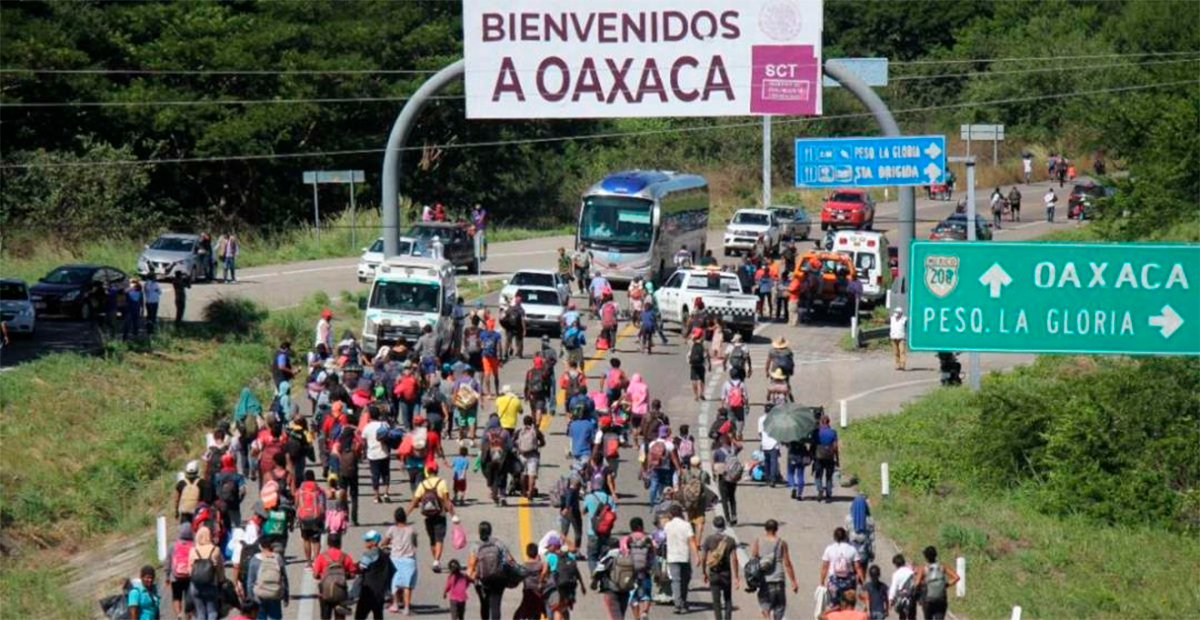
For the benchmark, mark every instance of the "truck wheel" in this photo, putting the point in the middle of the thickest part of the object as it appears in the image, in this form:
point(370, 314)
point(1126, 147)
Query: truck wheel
point(726, 251)
point(473, 266)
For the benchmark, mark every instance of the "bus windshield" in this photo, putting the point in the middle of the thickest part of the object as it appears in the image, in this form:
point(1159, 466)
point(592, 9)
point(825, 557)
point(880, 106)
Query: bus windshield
point(406, 296)
point(616, 223)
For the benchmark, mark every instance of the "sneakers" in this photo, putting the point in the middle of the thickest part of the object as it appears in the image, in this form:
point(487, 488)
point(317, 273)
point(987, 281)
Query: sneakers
point(437, 566)
point(392, 609)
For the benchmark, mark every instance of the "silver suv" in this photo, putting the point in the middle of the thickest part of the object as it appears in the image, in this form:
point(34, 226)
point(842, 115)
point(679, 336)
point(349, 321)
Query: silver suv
point(172, 254)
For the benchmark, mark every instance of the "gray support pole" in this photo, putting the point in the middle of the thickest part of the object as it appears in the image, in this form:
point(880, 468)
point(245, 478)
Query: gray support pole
point(353, 217)
point(766, 156)
point(396, 141)
point(972, 357)
point(906, 225)
point(316, 214)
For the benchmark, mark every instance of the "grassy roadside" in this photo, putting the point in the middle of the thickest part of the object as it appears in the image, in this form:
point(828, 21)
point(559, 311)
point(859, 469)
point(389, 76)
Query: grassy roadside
point(35, 258)
point(1017, 554)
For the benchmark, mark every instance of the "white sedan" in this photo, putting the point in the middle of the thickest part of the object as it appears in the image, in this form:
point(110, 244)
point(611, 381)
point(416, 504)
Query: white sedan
point(16, 310)
point(544, 307)
point(372, 256)
point(535, 278)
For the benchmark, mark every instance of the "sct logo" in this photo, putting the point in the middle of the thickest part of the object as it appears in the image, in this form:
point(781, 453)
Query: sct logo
point(941, 274)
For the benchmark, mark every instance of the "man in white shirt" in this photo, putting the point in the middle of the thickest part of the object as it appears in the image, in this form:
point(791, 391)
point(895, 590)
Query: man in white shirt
point(1027, 165)
point(681, 548)
point(898, 332)
point(1051, 200)
point(903, 584)
point(377, 456)
point(324, 334)
point(770, 449)
point(153, 293)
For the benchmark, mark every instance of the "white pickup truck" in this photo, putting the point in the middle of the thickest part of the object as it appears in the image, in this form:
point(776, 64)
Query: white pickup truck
point(721, 293)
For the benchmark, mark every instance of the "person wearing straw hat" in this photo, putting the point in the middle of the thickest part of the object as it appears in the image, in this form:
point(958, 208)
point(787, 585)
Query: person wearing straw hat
point(781, 358)
point(898, 332)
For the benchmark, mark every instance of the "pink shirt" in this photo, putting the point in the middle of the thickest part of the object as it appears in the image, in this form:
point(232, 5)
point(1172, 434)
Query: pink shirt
point(639, 396)
point(456, 586)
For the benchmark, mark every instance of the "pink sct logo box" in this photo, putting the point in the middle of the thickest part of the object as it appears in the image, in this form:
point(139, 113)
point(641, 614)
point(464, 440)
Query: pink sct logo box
point(784, 80)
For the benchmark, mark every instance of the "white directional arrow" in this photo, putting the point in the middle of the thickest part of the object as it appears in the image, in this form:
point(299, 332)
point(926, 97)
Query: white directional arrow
point(932, 150)
point(996, 278)
point(933, 171)
point(1167, 322)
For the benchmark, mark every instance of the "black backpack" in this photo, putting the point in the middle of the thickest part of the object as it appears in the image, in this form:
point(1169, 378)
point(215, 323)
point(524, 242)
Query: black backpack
point(696, 354)
point(566, 573)
point(737, 359)
point(784, 361)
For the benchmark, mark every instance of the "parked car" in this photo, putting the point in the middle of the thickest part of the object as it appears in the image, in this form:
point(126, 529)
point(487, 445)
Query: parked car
point(76, 290)
point(536, 278)
point(750, 227)
point(793, 222)
point(458, 245)
point(848, 208)
point(1083, 197)
point(954, 228)
point(16, 309)
point(544, 307)
point(172, 254)
point(868, 250)
point(372, 256)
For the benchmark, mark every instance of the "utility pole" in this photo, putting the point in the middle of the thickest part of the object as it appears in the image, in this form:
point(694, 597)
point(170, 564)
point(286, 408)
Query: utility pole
point(766, 161)
point(973, 356)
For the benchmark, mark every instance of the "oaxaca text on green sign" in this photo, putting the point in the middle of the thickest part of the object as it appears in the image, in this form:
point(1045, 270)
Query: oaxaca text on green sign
point(1137, 298)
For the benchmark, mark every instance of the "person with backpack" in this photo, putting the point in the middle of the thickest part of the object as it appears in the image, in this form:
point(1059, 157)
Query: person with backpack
point(633, 566)
point(178, 570)
point(533, 604)
point(515, 326)
point(737, 359)
point(487, 565)
point(781, 358)
point(902, 593)
point(698, 362)
point(736, 398)
point(539, 381)
point(729, 471)
point(267, 576)
point(333, 570)
point(281, 364)
point(770, 449)
point(432, 499)
point(230, 489)
point(615, 380)
point(861, 527)
point(685, 447)
point(401, 538)
point(142, 598)
point(508, 408)
point(875, 595)
point(472, 345)
point(378, 459)
point(774, 563)
point(375, 580)
point(191, 490)
point(609, 321)
point(826, 459)
point(660, 462)
point(496, 451)
point(582, 431)
point(466, 405)
point(692, 491)
point(840, 567)
point(560, 579)
point(573, 342)
point(310, 513)
point(600, 509)
point(405, 393)
point(720, 567)
point(933, 582)
point(530, 442)
point(566, 497)
point(349, 452)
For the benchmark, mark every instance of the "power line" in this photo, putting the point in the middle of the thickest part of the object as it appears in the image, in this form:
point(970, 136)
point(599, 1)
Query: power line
point(597, 136)
point(398, 99)
point(272, 72)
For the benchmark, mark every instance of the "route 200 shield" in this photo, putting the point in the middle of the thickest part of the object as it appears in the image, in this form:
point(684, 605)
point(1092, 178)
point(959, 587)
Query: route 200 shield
point(941, 274)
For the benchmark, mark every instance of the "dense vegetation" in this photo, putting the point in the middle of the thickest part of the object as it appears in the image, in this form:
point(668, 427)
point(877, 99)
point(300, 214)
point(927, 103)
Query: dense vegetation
point(285, 61)
point(1069, 486)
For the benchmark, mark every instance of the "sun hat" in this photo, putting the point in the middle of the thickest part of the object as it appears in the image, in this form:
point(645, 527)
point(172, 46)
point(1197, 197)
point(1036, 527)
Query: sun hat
point(780, 343)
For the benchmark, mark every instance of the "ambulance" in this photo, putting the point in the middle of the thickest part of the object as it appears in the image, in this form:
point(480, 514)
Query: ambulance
point(869, 251)
point(407, 294)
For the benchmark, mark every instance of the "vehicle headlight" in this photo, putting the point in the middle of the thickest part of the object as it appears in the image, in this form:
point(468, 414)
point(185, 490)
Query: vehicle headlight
point(142, 262)
point(27, 311)
point(370, 328)
point(71, 296)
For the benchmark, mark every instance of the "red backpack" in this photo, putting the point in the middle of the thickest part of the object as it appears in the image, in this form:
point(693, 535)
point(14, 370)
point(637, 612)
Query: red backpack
point(179, 561)
point(309, 502)
point(608, 315)
point(737, 394)
point(406, 388)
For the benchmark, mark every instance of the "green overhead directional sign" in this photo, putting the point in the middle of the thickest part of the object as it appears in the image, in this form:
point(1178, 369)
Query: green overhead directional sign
point(1132, 299)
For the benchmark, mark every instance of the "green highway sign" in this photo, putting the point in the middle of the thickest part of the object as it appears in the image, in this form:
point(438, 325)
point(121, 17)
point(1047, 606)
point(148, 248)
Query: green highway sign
point(1133, 298)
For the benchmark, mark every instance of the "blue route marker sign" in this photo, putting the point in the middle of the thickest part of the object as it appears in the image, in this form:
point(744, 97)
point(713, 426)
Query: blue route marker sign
point(870, 162)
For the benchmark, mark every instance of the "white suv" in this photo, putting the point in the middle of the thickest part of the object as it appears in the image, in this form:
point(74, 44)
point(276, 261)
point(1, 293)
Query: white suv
point(750, 227)
point(16, 310)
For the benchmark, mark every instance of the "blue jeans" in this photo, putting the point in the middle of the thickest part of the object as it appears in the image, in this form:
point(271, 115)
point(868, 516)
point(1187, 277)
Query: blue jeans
point(230, 269)
point(659, 480)
point(772, 467)
point(795, 476)
point(270, 610)
point(823, 472)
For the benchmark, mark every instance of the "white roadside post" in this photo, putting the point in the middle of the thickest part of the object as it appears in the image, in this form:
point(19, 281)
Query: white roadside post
point(162, 538)
point(960, 588)
point(885, 486)
point(845, 414)
point(1016, 614)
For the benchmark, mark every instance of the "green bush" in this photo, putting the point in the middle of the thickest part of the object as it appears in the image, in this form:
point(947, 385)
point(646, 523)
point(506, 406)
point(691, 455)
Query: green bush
point(233, 315)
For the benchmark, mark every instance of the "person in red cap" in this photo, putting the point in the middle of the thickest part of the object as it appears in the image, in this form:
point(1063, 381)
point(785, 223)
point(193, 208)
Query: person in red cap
point(325, 330)
point(230, 488)
point(698, 362)
point(432, 498)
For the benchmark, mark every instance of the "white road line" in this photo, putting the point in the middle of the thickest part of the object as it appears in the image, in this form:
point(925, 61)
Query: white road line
point(529, 253)
point(308, 590)
point(891, 386)
point(277, 274)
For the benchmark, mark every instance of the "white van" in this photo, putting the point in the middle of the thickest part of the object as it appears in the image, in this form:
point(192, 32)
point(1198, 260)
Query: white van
point(407, 294)
point(869, 250)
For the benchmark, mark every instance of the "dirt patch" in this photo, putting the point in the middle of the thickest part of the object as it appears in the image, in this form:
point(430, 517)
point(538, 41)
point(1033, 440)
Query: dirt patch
point(101, 570)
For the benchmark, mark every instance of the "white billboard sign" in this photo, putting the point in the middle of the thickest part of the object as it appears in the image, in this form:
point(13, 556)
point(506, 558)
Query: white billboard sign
point(642, 58)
